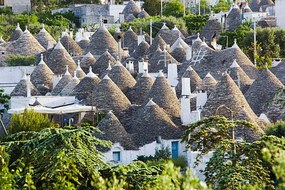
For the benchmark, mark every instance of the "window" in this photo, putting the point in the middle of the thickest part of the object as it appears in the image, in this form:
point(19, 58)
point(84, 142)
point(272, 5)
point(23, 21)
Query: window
point(105, 21)
point(117, 156)
point(2, 2)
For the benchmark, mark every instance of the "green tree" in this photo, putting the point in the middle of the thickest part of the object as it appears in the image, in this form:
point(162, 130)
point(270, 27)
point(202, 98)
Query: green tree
point(29, 121)
point(195, 23)
point(4, 100)
point(222, 5)
point(277, 129)
point(173, 8)
point(152, 7)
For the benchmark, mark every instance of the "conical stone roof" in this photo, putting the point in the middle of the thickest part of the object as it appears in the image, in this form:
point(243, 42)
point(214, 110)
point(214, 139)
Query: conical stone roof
point(158, 42)
point(103, 63)
point(42, 77)
point(152, 121)
point(87, 61)
point(45, 39)
point(58, 59)
point(83, 43)
point(79, 72)
point(168, 36)
point(141, 50)
point(26, 44)
point(66, 78)
point(143, 14)
point(85, 86)
point(71, 46)
point(21, 88)
point(254, 5)
point(227, 100)
point(279, 71)
point(101, 41)
point(212, 28)
point(16, 34)
point(262, 91)
point(108, 96)
point(157, 62)
point(131, 8)
point(164, 96)
point(179, 53)
point(265, 3)
point(130, 40)
point(234, 18)
point(195, 80)
point(114, 131)
point(240, 77)
point(122, 77)
point(276, 109)
point(208, 84)
point(68, 89)
point(139, 92)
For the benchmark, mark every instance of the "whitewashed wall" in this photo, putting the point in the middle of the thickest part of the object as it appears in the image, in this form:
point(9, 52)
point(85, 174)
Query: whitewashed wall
point(280, 13)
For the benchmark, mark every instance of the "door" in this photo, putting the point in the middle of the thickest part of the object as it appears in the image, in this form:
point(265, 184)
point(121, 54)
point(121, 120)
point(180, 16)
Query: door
point(174, 149)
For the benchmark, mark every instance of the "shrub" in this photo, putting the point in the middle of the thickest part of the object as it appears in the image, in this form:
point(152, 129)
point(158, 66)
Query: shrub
point(277, 129)
point(29, 121)
point(180, 162)
point(20, 60)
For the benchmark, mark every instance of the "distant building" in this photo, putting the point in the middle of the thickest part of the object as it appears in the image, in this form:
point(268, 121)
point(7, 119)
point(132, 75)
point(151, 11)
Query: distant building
point(279, 13)
point(18, 6)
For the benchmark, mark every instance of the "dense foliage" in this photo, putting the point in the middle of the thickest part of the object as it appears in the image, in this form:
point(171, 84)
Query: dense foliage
point(173, 8)
point(20, 60)
point(277, 129)
point(195, 23)
point(4, 100)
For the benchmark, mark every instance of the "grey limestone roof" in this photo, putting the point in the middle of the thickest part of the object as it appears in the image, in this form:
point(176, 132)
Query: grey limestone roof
point(87, 61)
point(234, 18)
point(103, 63)
point(208, 84)
point(86, 85)
point(177, 32)
point(21, 88)
point(265, 3)
point(42, 77)
point(83, 43)
point(254, 5)
point(101, 41)
point(218, 62)
point(58, 59)
point(114, 131)
point(26, 44)
point(156, 62)
point(122, 77)
point(262, 91)
point(131, 8)
point(163, 94)
point(152, 121)
point(71, 46)
point(227, 100)
point(240, 77)
point(276, 108)
point(130, 18)
point(246, 8)
point(108, 96)
point(179, 53)
point(16, 34)
point(139, 92)
point(66, 78)
point(212, 28)
point(168, 36)
point(143, 14)
point(158, 42)
point(279, 71)
point(195, 80)
point(141, 50)
point(45, 39)
point(130, 40)
point(68, 89)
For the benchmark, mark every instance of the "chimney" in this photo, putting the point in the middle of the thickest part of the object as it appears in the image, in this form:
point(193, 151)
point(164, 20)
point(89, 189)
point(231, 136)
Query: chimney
point(186, 88)
point(28, 83)
point(201, 99)
point(185, 110)
point(143, 66)
point(130, 66)
point(172, 74)
point(188, 53)
point(141, 38)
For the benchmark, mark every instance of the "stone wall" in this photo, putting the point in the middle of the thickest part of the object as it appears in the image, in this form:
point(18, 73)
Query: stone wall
point(18, 6)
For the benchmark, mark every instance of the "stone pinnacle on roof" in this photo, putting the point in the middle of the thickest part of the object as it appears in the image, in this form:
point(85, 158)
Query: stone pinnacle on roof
point(152, 121)
point(87, 61)
point(208, 84)
point(42, 77)
point(108, 96)
point(16, 34)
point(262, 91)
point(141, 50)
point(68, 89)
point(158, 42)
point(102, 63)
point(163, 94)
point(79, 72)
point(114, 131)
point(59, 58)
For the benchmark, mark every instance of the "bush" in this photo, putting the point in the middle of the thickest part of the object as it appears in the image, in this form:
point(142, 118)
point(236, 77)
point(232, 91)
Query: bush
point(277, 129)
point(29, 121)
point(20, 60)
point(181, 162)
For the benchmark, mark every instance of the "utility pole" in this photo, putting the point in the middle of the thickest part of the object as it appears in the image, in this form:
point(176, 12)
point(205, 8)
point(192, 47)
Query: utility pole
point(150, 32)
point(254, 41)
point(160, 8)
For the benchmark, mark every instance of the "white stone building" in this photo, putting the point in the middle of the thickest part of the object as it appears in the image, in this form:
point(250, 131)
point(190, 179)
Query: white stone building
point(279, 13)
point(18, 6)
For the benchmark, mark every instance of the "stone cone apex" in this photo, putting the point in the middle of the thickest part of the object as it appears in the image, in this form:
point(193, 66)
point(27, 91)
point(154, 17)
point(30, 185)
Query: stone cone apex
point(17, 33)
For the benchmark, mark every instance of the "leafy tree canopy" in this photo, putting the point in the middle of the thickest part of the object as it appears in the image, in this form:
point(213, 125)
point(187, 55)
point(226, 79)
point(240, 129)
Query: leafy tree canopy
point(173, 8)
